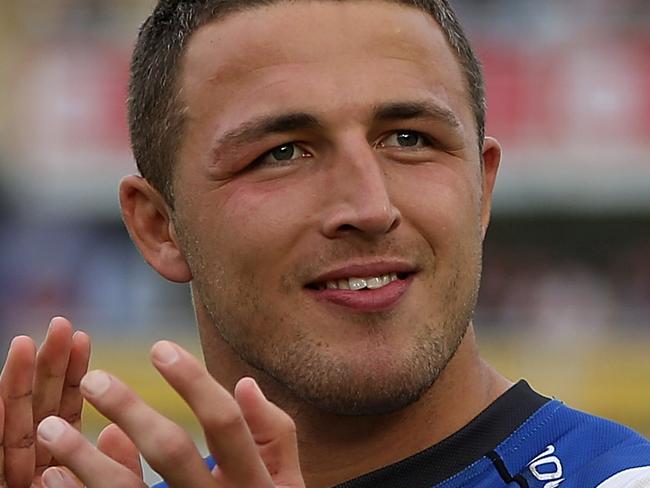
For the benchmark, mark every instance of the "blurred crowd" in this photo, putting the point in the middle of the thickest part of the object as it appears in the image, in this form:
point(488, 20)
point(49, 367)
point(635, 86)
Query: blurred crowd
point(553, 20)
point(562, 297)
point(87, 271)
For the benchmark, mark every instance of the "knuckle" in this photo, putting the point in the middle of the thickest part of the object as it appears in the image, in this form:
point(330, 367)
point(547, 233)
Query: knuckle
point(24, 442)
point(126, 397)
point(122, 481)
point(14, 397)
point(72, 418)
point(51, 374)
point(50, 412)
point(228, 418)
point(174, 447)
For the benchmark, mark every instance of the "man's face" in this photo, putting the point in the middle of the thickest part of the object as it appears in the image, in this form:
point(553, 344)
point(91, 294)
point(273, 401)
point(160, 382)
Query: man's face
point(325, 142)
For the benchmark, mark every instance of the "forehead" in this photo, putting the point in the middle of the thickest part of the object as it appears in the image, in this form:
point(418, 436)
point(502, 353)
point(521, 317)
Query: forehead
point(277, 52)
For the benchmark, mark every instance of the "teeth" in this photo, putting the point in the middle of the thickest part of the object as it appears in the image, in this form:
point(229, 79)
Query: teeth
point(374, 283)
point(355, 284)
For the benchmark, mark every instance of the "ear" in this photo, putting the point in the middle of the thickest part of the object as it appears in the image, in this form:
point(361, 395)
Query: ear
point(491, 160)
point(148, 220)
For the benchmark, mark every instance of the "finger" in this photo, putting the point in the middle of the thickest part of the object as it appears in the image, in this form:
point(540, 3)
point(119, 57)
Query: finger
point(71, 400)
point(72, 449)
point(274, 432)
point(60, 478)
point(51, 365)
point(16, 392)
point(227, 434)
point(167, 447)
point(116, 445)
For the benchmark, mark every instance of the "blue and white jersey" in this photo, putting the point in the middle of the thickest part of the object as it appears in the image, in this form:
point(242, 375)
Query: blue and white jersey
point(524, 440)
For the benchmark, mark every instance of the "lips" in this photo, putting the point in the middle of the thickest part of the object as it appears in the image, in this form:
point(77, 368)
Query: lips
point(370, 270)
point(358, 283)
point(369, 287)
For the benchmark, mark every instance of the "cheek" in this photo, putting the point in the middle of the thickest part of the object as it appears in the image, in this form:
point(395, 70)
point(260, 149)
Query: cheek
point(253, 226)
point(441, 201)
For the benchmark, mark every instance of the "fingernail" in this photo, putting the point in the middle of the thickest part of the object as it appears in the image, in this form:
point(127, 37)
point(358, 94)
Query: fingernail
point(56, 478)
point(16, 339)
point(51, 429)
point(50, 327)
point(96, 383)
point(165, 353)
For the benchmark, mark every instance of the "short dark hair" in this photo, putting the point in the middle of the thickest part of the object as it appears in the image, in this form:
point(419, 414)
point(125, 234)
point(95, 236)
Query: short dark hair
point(156, 117)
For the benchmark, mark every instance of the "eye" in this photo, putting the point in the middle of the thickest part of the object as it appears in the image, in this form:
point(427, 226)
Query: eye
point(405, 139)
point(281, 155)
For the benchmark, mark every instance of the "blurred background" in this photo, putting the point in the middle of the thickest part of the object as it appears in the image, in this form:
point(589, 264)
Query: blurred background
point(566, 294)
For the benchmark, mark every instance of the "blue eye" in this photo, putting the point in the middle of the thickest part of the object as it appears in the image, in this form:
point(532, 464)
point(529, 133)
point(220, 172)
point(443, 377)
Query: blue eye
point(282, 155)
point(405, 139)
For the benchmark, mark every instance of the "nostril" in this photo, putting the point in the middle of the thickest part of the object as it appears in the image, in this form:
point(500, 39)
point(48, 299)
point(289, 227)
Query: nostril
point(347, 228)
point(395, 224)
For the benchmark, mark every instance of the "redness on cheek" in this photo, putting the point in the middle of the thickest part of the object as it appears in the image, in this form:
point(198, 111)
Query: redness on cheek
point(279, 196)
point(252, 207)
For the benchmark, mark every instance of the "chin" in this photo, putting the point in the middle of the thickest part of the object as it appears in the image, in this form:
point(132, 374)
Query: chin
point(370, 402)
point(357, 386)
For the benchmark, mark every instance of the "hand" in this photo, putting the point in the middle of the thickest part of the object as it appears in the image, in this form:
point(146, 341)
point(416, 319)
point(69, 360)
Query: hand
point(252, 439)
point(34, 385)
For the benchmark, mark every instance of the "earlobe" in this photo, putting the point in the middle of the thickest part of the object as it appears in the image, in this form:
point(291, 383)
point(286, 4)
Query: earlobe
point(491, 158)
point(148, 220)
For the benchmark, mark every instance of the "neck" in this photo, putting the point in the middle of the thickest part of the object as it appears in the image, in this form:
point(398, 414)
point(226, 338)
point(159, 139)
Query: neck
point(336, 448)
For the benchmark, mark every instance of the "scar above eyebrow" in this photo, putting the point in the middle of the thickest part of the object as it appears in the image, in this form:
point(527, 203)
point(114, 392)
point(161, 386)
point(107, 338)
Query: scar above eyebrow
point(417, 109)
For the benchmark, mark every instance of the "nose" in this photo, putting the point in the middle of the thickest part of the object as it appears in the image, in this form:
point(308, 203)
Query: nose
point(358, 197)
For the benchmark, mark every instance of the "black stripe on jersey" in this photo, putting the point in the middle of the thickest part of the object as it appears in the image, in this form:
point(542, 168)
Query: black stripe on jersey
point(503, 471)
point(450, 456)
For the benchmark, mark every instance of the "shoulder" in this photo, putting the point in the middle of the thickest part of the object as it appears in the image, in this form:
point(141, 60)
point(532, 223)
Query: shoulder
point(619, 457)
point(563, 447)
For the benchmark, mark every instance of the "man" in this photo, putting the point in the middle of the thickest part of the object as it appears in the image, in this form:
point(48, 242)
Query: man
point(318, 172)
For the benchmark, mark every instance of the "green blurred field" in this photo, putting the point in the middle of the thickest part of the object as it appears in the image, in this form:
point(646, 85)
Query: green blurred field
point(609, 378)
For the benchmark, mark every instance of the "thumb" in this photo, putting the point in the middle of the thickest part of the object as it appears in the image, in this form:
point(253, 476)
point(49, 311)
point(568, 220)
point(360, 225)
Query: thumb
point(113, 442)
point(274, 432)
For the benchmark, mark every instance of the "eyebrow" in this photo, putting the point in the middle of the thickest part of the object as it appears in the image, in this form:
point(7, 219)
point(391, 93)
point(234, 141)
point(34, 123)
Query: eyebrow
point(417, 109)
point(261, 126)
point(268, 124)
